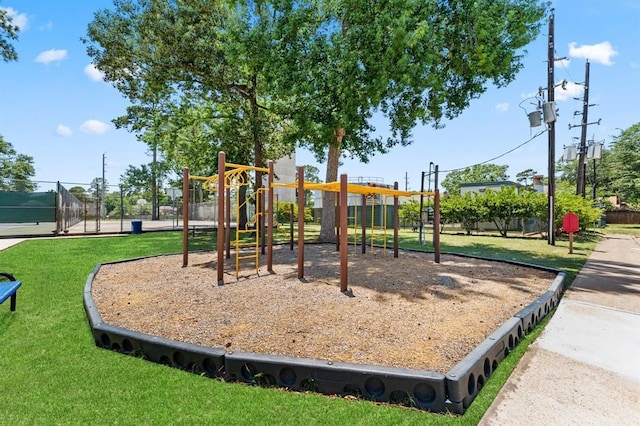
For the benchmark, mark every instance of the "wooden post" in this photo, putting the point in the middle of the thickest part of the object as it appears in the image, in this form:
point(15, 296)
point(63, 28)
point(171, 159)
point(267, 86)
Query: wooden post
point(228, 220)
point(185, 216)
point(261, 221)
point(570, 242)
point(396, 221)
point(270, 219)
point(436, 226)
point(221, 203)
point(300, 222)
point(363, 219)
point(338, 211)
point(343, 234)
point(291, 226)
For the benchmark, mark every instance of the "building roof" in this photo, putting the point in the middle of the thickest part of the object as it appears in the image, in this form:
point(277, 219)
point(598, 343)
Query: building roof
point(495, 183)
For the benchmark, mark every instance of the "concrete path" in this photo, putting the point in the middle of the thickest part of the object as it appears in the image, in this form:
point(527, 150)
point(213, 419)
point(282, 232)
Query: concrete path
point(584, 369)
point(5, 243)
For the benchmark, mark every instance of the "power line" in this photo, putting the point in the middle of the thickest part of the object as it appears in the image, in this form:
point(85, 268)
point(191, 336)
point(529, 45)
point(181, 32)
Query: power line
point(541, 132)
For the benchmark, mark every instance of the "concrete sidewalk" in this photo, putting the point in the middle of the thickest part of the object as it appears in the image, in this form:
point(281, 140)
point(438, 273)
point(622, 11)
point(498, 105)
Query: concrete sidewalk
point(584, 369)
point(5, 243)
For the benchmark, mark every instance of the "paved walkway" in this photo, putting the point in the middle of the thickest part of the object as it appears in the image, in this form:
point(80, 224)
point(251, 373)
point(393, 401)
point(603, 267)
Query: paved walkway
point(5, 243)
point(584, 369)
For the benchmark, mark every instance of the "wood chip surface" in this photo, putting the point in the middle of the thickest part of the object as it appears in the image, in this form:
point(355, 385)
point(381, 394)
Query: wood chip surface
point(399, 312)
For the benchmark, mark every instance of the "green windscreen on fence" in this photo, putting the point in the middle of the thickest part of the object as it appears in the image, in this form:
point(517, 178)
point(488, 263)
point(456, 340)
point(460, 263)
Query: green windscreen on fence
point(27, 207)
point(378, 213)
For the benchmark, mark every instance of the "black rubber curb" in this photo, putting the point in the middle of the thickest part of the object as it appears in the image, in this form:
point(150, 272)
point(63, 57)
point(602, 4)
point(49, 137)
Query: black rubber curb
point(452, 392)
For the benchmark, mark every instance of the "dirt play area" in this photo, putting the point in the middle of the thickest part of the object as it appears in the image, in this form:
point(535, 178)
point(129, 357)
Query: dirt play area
point(399, 312)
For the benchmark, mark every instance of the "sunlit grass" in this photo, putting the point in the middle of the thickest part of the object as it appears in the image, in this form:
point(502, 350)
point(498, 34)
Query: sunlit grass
point(53, 373)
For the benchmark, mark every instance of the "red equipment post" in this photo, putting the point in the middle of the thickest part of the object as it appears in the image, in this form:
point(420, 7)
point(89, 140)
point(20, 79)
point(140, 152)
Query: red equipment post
point(570, 224)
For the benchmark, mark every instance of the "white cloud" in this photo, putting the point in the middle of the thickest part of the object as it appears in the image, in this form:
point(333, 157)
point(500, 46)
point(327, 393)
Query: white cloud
point(51, 56)
point(502, 107)
point(63, 130)
point(93, 73)
point(571, 90)
point(46, 26)
point(601, 52)
point(564, 63)
point(96, 127)
point(20, 20)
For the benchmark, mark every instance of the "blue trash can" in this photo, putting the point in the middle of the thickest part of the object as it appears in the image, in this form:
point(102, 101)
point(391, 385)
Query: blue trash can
point(136, 227)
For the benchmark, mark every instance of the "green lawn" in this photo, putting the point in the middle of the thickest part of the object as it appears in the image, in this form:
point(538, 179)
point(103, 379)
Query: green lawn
point(52, 373)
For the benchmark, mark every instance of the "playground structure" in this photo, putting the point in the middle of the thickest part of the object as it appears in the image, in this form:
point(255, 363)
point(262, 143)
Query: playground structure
point(238, 175)
point(436, 391)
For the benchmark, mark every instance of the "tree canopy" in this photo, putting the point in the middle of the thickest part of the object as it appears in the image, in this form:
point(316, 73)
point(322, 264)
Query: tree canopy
point(408, 61)
point(474, 174)
point(16, 170)
point(321, 68)
point(526, 176)
point(8, 33)
point(624, 164)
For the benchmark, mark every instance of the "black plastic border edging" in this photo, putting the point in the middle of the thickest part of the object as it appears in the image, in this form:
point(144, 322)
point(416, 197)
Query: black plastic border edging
point(422, 389)
point(185, 356)
point(466, 378)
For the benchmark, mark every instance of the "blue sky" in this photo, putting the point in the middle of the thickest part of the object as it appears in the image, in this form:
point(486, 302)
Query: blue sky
point(55, 107)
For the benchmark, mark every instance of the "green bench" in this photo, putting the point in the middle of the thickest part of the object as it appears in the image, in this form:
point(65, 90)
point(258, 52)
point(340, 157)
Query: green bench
point(9, 289)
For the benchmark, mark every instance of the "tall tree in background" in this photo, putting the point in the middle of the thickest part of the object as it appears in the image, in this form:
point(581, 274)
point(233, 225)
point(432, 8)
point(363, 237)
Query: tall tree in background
point(526, 176)
point(8, 33)
point(325, 66)
point(16, 170)
point(311, 174)
point(410, 62)
point(196, 66)
point(475, 174)
point(624, 165)
point(190, 53)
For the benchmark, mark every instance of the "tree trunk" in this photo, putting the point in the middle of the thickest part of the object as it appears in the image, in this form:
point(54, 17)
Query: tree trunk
point(242, 198)
point(257, 148)
point(328, 221)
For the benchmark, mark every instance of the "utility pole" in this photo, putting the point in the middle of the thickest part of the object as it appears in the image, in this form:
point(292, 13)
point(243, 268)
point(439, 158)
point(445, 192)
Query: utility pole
point(551, 238)
point(406, 181)
point(581, 176)
point(580, 179)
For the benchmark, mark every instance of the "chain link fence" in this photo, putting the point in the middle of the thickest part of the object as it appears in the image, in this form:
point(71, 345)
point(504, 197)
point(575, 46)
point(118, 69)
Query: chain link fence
point(71, 208)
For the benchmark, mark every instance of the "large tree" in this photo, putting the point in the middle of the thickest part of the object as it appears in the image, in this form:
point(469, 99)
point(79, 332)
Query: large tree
point(624, 164)
point(201, 58)
point(478, 173)
point(16, 170)
point(526, 176)
point(410, 62)
point(194, 72)
point(8, 33)
point(325, 66)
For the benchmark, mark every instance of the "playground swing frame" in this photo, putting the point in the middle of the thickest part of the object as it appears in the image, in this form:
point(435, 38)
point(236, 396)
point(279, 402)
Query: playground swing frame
point(342, 188)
